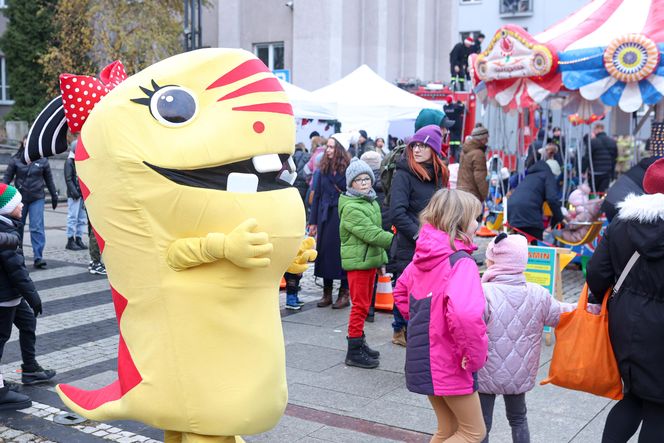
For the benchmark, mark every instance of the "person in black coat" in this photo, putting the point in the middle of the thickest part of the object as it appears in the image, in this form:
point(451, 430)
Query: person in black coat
point(631, 182)
point(30, 181)
point(16, 288)
point(524, 206)
point(77, 216)
point(604, 153)
point(419, 174)
point(636, 312)
point(324, 219)
point(459, 61)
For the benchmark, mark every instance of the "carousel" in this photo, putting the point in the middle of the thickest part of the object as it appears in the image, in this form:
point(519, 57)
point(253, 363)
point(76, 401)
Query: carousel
point(605, 57)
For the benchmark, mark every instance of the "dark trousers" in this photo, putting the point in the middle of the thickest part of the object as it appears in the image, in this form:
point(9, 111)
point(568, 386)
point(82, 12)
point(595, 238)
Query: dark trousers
point(25, 321)
point(515, 409)
point(626, 416)
point(292, 282)
point(95, 254)
point(6, 321)
point(602, 182)
point(328, 283)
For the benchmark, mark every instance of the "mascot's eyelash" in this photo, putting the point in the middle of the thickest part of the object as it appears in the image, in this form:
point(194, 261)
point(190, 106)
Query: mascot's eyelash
point(146, 100)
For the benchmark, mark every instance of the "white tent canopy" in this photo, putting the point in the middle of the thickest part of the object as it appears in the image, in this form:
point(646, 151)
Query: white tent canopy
point(364, 100)
point(306, 105)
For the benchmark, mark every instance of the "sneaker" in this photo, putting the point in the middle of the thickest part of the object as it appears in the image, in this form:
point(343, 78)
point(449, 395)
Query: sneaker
point(10, 400)
point(36, 375)
point(40, 264)
point(298, 301)
point(291, 302)
point(97, 269)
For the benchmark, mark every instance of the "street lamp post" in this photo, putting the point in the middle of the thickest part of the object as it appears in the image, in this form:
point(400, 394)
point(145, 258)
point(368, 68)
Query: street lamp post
point(193, 35)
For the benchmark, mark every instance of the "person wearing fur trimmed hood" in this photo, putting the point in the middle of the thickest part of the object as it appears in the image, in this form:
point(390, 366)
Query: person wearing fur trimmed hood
point(636, 312)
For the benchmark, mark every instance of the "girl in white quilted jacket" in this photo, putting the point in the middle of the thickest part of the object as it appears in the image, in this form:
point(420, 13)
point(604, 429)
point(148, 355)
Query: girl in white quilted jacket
point(515, 314)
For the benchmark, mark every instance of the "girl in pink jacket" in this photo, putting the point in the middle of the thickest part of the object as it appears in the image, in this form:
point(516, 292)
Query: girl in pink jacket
point(440, 295)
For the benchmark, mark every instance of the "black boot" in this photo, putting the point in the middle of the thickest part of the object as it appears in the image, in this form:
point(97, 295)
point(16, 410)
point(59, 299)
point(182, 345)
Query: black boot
point(10, 400)
point(356, 355)
point(370, 352)
point(79, 242)
point(72, 245)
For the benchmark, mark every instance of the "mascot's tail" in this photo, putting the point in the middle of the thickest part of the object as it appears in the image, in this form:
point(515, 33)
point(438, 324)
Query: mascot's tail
point(105, 403)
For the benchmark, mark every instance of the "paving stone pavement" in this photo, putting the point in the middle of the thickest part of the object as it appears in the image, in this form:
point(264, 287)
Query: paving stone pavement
point(328, 402)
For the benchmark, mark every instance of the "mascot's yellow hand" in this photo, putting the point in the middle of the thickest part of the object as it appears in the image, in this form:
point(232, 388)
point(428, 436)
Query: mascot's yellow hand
point(306, 254)
point(244, 247)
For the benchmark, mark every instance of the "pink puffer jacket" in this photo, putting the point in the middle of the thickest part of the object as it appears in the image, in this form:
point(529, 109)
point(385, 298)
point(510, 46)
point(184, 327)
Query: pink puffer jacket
point(515, 314)
point(441, 295)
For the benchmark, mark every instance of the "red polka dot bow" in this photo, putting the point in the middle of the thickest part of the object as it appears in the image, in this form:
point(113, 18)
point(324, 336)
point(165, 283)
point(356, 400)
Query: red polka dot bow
point(80, 93)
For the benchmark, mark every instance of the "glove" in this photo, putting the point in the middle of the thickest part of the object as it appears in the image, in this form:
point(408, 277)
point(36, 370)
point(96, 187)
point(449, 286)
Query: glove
point(37, 309)
point(243, 247)
point(306, 254)
point(54, 201)
point(35, 303)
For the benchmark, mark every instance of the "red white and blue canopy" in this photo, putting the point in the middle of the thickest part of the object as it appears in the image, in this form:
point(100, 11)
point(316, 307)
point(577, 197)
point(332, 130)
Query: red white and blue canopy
point(608, 50)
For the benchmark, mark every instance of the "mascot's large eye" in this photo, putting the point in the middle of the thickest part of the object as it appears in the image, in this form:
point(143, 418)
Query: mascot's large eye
point(173, 106)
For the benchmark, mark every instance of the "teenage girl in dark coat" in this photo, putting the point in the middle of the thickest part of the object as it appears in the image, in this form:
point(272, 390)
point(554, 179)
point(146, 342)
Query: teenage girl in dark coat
point(419, 174)
point(324, 220)
point(636, 312)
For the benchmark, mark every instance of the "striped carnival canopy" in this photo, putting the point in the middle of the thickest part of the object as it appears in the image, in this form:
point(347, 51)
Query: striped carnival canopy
point(609, 50)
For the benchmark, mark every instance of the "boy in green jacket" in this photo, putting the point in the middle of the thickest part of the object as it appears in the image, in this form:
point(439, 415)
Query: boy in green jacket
point(363, 246)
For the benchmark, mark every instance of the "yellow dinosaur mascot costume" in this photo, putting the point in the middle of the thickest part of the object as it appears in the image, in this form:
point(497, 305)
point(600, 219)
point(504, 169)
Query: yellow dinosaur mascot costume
point(185, 169)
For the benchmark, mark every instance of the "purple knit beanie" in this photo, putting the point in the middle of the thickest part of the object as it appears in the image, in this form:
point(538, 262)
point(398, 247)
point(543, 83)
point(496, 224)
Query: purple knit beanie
point(429, 135)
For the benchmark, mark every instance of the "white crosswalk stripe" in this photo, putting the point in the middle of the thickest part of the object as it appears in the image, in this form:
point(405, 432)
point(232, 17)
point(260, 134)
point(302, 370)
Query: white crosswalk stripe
point(68, 359)
point(70, 319)
point(63, 271)
point(73, 290)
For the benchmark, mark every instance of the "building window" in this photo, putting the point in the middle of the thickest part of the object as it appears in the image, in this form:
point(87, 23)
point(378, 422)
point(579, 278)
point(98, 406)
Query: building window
point(5, 99)
point(272, 54)
point(469, 2)
point(516, 7)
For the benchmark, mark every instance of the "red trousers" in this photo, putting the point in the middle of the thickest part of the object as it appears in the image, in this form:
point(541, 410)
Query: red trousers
point(361, 285)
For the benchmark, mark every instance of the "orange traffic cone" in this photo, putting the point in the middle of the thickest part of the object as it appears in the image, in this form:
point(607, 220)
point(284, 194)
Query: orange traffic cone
point(282, 285)
point(384, 297)
point(485, 232)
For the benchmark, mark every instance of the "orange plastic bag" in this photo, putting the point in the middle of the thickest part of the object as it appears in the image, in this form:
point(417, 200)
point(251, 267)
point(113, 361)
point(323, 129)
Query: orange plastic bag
point(583, 357)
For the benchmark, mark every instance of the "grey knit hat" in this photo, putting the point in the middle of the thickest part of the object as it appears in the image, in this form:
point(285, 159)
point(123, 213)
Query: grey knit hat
point(480, 132)
point(357, 167)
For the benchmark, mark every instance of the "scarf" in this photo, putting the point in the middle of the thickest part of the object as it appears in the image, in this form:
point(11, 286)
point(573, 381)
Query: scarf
point(369, 196)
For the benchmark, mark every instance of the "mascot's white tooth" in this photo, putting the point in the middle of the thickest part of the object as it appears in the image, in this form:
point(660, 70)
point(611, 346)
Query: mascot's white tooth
point(291, 163)
point(266, 163)
point(246, 183)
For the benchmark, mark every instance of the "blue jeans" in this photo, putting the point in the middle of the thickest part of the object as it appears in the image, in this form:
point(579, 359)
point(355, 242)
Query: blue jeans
point(77, 218)
point(399, 322)
point(34, 211)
